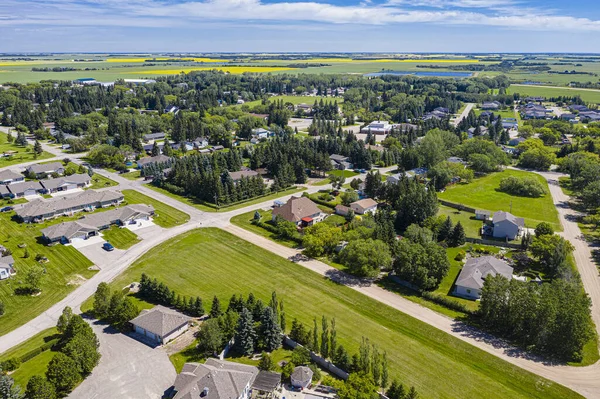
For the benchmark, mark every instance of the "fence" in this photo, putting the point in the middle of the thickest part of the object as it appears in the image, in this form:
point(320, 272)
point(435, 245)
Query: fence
point(493, 243)
point(460, 207)
point(322, 362)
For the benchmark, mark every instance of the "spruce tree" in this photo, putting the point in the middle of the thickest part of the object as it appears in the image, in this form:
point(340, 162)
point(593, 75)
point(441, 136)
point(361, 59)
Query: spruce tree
point(270, 330)
point(458, 235)
point(244, 333)
point(215, 310)
point(445, 231)
point(155, 149)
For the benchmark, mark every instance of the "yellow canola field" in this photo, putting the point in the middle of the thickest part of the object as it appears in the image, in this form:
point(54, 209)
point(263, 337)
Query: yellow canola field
point(142, 59)
point(425, 60)
point(233, 70)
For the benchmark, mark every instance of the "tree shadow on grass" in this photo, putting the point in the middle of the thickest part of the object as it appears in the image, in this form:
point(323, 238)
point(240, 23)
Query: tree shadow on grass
point(339, 277)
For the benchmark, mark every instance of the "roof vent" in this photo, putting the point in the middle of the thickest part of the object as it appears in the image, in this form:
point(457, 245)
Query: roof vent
point(204, 392)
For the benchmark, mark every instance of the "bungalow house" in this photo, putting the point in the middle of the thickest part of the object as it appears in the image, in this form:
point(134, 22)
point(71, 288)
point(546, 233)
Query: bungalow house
point(217, 148)
point(261, 133)
point(377, 127)
point(200, 142)
point(491, 105)
point(154, 136)
point(4, 191)
point(10, 177)
point(472, 276)
point(237, 176)
point(7, 264)
point(417, 172)
point(152, 160)
point(364, 206)
point(215, 379)
point(160, 324)
point(66, 183)
point(473, 131)
point(307, 109)
point(171, 109)
point(25, 189)
point(342, 210)
point(507, 225)
point(568, 117)
point(299, 210)
point(187, 145)
point(340, 162)
point(39, 210)
point(148, 148)
point(301, 377)
point(68, 232)
point(42, 170)
point(456, 160)
point(578, 108)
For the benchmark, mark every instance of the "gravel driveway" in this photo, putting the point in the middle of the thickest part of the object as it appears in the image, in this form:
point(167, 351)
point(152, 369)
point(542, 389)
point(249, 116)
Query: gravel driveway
point(128, 369)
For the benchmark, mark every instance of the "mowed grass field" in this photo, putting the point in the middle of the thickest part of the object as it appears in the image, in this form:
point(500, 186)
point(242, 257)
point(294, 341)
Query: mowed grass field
point(483, 193)
point(210, 262)
point(24, 154)
point(592, 96)
point(66, 267)
point(165, 216)
point(99, 181)
point(121, 238)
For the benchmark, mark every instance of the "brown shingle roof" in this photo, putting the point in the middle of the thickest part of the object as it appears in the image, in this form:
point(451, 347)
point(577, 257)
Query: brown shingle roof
point(296, 209)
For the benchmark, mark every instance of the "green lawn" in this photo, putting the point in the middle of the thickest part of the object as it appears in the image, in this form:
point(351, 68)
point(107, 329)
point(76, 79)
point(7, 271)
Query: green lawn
point(565, 185)
point(345, 173)
point(99, 181)
point(483, 193)
point(32, 343)
point(24, 154)
point(165, 215)
point(65, 265)
point(136, 174)
point(211, 262)
point(471, 225)
point(530, 90)
point(189, 354)
point(121, 238)
point(206, 207)
point(245, 221)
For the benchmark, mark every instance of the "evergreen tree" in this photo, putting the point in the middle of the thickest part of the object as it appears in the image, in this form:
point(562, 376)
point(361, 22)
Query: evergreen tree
point(244, 334)
point(39, 388)
point(270, 331)
point(266, 362)
point(332, 339)
point(37, 148)
point(8, 389)
point(315, 336)
point(445, 231)
point(384, 371)
point(324, 338)
point(457, 237)
point(282, 321)
point(62, 373)
point(155, 149)
point(198, 307)
point(215, 310)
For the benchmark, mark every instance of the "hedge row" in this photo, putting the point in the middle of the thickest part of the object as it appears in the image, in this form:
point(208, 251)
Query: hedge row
point(447, 302)
point(34, 352)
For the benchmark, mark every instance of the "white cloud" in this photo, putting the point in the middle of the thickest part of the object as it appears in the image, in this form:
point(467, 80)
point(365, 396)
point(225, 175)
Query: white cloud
point(161, 13)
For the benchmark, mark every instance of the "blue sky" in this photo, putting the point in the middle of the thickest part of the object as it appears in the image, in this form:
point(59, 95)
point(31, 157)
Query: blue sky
point(299, 25)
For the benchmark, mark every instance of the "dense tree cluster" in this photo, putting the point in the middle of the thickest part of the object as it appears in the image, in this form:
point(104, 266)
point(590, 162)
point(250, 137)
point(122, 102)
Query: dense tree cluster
point(158, 292)
point(522, 186)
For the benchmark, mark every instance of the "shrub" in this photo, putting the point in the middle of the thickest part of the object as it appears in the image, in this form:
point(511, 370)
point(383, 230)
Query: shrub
point(460, 256)
point(11, 364)
point(446, 302)
point(522, 186)
point(2, 308)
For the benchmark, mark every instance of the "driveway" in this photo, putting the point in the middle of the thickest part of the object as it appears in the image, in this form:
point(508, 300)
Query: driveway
point(96, 240)
point(100, 256)
point(128, 369)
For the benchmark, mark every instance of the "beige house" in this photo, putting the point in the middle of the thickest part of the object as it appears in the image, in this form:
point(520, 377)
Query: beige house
point(160, 324)
point(299, 210)
point(367, 205)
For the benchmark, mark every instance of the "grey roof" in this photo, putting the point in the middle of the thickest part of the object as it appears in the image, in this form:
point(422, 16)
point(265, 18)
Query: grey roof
point(338, 158)
point(7, 260)
point(156, 159)
point(501, 216)
point(154, 136)
point(242, 173)
point(22, 186)
point(67, 230)
point(10, 175)
point(43, 168)
point(482, 212)
point(221, 379)
point(52, 184)
point(475, 271)
point(4, 190)
point(267, 381)
point(302, 374)
point(160, 320)
point(54, 206)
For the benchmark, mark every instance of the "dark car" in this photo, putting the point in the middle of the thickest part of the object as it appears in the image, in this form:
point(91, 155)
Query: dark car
point(108, 247)
point(6, 209)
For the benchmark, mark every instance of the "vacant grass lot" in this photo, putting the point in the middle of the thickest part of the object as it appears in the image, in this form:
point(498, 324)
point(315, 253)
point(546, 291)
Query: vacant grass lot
point(99, 181)
point(211, 262)
point(65, 264)
point(206, 207)
point(592, 96)
point(245, 221)
point(166, 216)
point(483, 193)
point(471, 225)
point(121, 238)
point(136, 174)
point(24, 154)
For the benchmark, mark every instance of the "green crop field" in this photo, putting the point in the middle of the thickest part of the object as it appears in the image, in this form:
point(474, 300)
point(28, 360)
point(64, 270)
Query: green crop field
point(23, 154)
point(65, 269)
point(166, 216)
point(592, 96)
point(210, 262)
point(483, 194)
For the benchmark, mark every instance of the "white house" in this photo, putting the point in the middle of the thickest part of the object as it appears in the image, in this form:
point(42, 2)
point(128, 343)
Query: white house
point(470, 280)
point(6, 267)
point(377, 127)
point(260, 133)
point(363, 206)
point(507, 225)
point(160, 324)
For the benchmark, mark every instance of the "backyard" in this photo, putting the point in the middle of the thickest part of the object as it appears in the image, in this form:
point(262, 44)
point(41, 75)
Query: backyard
point(166, 216)
point(483, 194)
point(206, 262)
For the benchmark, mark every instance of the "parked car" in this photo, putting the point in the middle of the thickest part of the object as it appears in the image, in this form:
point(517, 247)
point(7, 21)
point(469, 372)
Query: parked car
point(6, 209)
point(108, 247)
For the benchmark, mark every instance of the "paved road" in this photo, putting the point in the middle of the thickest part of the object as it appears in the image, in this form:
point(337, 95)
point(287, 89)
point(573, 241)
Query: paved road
point(463, 114)
point(128, 369)
point(557, 87)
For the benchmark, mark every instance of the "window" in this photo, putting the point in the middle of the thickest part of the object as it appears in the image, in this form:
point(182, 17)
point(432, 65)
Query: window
point(468, 291)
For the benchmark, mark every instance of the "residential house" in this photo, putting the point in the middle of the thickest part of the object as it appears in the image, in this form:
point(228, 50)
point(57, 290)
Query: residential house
point(340, 162)
point(266, 384)
point(515, 141)
point(364, 206)
point(491, 105)
point(160, 324)
point(568, 117)
point(417, 172)
point(342, 210)
point(4, 191)
point(10, 177)
point(139, 81)
point(90, 225)
point(66, 183)
point(39, 210)
point(216, 148)
point(578, 108)
point(154, 136)
point(261, 133)
point(149, 147)
point(307, 109)
point(299, 210)
point(187, 145)
point(200, 142)
point(456, 160)
point(377, 127)
point(301, 377)
point(42, 170)
point(507, 225)
point(237, 176)
point(7, 269)
point(25, 189)
point(152, 160)
point(215, 379)
point(473, 274)
point(472, 131)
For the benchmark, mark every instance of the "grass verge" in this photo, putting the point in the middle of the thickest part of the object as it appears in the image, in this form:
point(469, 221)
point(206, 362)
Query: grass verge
point(166, 216)
point(120, 237)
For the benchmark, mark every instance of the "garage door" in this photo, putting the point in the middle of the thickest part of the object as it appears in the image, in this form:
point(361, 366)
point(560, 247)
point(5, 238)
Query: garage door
point(78, 238)
point(71, 186)
point(30, 192)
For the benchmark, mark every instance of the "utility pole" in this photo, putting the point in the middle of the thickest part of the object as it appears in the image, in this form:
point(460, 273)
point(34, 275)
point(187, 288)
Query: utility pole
point(217, 202)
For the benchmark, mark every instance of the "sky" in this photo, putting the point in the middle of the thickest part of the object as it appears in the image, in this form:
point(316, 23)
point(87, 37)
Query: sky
point(397, 26)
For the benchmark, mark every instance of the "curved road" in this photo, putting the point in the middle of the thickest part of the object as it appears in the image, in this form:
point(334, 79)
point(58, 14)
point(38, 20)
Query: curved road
point(585, 380)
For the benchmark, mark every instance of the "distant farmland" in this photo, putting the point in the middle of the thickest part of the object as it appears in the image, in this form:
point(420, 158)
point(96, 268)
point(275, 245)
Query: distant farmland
point(542, 91)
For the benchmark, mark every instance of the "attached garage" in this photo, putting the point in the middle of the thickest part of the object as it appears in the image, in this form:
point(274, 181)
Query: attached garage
point(160, 324)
